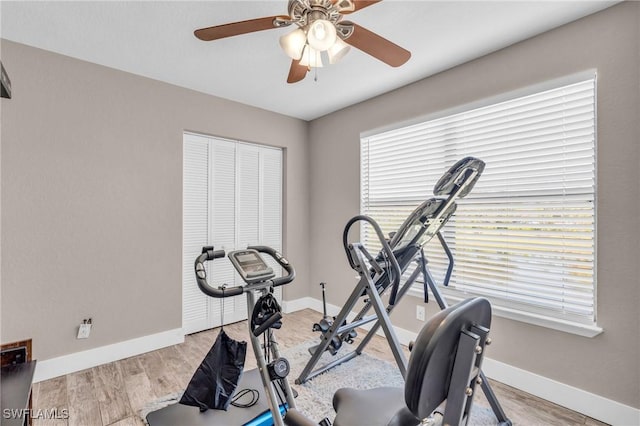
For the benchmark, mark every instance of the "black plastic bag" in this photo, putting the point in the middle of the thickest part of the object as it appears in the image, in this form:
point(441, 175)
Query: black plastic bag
point(217, 377)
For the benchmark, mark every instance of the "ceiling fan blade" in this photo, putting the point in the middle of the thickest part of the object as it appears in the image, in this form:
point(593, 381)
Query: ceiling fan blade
point(349, 6)
point(242, 27)
point(297, 72)
point(377, 46)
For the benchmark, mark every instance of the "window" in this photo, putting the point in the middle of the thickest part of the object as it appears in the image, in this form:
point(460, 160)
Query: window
point(525, 236)
point(232, 198)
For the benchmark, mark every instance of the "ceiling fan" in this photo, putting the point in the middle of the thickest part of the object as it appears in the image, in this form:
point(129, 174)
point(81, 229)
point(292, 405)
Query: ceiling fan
point(321, 32)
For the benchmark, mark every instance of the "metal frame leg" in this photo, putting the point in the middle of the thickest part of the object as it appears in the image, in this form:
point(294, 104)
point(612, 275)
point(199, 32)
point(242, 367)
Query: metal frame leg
point(385, 322)
point(269, 389)
point(403, 290)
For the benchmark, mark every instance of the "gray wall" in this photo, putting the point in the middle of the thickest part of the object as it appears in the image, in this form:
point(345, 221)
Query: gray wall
point(608, 364)
point(92, 197)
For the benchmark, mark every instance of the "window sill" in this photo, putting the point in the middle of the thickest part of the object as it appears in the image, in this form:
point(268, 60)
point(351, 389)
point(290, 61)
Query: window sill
point(566, 326)
point(584, 330)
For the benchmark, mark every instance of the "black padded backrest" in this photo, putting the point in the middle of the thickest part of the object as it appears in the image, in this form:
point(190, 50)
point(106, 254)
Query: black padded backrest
point(434, 351)
point(460, 175)
point(413, 226)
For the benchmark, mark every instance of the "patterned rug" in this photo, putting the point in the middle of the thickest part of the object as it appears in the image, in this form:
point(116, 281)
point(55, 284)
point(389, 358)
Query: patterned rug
point(315, 396)
point(362, 372)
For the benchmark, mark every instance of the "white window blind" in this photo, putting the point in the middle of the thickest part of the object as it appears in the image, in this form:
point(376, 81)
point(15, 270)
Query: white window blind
point(524, 237)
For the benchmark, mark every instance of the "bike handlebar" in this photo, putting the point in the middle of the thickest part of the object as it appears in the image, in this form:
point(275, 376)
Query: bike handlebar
point(208, 254)
point(201, 275)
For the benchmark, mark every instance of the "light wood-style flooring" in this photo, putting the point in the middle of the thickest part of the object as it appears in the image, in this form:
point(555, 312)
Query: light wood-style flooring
point(112, 394)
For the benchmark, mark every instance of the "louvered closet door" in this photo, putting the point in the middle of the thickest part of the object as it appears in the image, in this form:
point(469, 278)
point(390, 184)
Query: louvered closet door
point(248, 202)
point(222, 222)
point(195, 230)
point(232, 199)
point(259, 203)
point(271, 206)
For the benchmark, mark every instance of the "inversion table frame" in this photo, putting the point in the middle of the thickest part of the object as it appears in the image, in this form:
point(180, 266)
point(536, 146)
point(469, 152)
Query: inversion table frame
point(386, 269)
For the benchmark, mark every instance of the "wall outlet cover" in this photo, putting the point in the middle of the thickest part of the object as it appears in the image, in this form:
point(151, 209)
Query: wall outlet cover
point(420, 314)
point(84, 331)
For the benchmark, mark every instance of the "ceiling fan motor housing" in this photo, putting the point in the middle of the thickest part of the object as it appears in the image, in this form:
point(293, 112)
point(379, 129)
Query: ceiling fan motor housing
point(304, 12)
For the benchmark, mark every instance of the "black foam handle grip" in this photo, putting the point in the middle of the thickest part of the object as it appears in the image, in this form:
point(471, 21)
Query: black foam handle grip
point(208, 253)
point(211, 253)
point(267, 324)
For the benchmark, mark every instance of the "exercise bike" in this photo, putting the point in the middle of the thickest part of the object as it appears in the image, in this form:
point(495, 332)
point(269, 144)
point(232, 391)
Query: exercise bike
point(275, 398)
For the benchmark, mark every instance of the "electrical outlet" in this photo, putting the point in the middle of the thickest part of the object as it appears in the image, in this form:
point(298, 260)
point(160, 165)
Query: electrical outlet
point(420, 313)
point(85, 329)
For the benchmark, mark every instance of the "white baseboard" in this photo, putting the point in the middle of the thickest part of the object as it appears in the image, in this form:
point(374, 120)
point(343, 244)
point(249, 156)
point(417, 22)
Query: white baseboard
point(289, 306)
point(589, 404)
point(66, 364)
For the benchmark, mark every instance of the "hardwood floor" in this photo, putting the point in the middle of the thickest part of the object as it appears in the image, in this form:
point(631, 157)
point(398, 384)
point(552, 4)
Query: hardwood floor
point(113, 394)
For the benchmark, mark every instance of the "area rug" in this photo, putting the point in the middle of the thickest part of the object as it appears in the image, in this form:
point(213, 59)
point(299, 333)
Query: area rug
point(315, 396)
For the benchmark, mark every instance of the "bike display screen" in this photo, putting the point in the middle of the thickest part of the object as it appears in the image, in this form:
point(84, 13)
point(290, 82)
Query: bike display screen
point(250, 262)
point(250, 265)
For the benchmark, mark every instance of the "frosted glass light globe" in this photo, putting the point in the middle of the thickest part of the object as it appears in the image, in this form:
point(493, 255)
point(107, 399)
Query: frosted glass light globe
point(321, 35)
point(293, 43)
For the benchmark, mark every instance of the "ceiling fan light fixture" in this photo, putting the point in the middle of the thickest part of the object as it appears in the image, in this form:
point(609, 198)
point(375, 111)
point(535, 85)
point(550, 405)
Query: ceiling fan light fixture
point(293, 43)
point(337, 51)
point(321, 34)
point(321, 31)
point(311, 58)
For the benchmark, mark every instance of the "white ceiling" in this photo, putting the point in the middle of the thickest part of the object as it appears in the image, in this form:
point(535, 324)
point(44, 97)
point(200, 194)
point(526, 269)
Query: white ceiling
point(155, 39)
